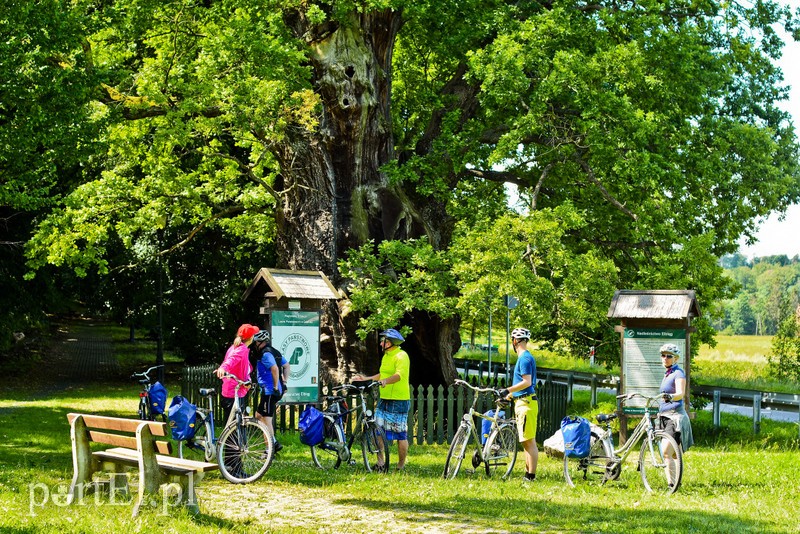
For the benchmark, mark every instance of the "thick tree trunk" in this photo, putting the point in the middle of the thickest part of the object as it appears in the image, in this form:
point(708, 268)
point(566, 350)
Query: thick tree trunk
point(337, 198)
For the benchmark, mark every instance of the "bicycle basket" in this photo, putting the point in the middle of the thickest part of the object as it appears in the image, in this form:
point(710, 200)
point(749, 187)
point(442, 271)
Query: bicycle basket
point(158, 398)
point(311, 426)
point(577, 436)
point(182, 418)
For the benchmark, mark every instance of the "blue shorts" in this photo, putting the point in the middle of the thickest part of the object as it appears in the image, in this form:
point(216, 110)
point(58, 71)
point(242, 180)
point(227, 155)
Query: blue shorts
point(392, 416)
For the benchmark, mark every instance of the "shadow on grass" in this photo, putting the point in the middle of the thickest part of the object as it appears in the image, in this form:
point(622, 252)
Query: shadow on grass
point(545, 515)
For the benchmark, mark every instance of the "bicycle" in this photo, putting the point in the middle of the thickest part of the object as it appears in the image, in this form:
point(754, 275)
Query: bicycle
point(337, 448)
point(244, 449)
point(500, 449)
point(145, 411)
point(660, 472)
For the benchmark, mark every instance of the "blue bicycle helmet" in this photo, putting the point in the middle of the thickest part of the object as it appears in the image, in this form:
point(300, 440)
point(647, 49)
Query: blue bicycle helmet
point(393, 335)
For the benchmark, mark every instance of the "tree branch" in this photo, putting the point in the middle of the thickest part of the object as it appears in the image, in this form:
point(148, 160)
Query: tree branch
point(603, 191)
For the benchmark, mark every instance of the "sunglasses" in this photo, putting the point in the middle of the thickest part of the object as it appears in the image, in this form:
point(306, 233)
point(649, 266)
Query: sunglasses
point(667, 356)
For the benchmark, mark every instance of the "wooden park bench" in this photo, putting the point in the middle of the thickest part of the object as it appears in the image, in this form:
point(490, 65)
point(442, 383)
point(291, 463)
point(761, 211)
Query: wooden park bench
point(136, 446)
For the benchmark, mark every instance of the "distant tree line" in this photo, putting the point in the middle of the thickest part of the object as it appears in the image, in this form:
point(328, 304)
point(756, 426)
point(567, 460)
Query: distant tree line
point(769, 292)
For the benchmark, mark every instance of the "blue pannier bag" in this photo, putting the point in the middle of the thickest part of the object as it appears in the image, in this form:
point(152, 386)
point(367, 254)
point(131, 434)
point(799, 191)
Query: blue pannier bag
point(486, 426)
point(311, 426)
point(182, 418)
point(158, 398)
point(577, 436)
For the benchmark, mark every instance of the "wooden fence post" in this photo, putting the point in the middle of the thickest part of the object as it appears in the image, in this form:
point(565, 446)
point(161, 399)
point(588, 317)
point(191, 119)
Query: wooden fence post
point(440, 409)
point(570, 385)
point(420, 414)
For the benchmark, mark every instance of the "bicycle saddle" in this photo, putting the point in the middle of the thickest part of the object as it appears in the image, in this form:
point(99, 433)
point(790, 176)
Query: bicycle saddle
point(605, 417)
point(205, 392)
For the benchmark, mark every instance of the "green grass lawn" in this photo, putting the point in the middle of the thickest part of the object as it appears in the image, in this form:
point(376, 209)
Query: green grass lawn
point(733, 483)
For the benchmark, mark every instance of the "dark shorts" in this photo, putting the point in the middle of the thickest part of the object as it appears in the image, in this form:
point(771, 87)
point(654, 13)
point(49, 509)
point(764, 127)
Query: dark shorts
point(669, 426)
point(267, 405)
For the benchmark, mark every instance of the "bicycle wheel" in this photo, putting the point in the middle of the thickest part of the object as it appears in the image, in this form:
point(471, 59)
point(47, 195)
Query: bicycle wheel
point(593, 468)
point(244, 451)
point(144, 409)
point(326, 454)
point(500, 452)
point(375, 449)
point(199, 447)
point(661, 465)
point(455, 455)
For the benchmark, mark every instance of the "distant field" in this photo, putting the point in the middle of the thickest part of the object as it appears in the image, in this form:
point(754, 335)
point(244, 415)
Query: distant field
point(737, 361)
point(738, 348)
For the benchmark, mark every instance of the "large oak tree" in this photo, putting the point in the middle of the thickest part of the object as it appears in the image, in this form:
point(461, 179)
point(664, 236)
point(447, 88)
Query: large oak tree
point(643, 139)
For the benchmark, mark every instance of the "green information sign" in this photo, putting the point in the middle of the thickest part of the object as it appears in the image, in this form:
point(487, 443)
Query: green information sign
point(296, 334)
point(642, 370)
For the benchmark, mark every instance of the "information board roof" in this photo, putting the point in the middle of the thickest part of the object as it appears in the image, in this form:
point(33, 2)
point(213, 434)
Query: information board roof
point(290, 284)
point(653, 304)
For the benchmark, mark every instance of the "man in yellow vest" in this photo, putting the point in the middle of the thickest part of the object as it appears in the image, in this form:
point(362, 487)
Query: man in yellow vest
point(395, 402)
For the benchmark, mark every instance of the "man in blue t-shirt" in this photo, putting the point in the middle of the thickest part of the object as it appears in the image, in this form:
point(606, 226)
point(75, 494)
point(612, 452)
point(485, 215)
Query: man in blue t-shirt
point(269, 367)
point(526, 407)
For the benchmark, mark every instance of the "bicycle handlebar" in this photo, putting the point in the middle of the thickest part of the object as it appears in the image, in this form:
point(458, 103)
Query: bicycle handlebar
point(144, 374)
point(479, 390)
point(244, 383)
point(350, 387)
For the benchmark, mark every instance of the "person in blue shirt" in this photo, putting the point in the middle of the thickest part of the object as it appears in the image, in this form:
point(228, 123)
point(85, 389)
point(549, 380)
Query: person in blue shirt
point(270, 373)
point(526, 407)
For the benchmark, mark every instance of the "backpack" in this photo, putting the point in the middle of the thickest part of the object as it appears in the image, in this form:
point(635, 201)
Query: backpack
point(264, 375)
point(577, 436)
point(486, 426)
point(311, 426)
point(182, 418)
point(158, 398)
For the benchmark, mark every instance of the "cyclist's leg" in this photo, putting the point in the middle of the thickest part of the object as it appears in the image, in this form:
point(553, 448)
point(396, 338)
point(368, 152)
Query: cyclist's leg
point(526, 411)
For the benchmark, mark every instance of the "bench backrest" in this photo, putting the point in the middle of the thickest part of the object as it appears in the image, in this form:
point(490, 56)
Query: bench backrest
point(123, 431)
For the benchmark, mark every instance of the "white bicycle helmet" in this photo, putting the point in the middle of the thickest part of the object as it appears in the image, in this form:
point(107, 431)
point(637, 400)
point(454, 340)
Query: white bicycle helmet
point(670, 348)
point(520, 333)
point(262, 335)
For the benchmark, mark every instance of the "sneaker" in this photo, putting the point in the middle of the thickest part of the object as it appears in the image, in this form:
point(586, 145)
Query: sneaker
point(278, 446)
point(529, 478)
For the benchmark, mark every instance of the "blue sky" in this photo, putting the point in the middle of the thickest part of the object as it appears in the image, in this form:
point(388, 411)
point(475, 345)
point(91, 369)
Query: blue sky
point(774, 236)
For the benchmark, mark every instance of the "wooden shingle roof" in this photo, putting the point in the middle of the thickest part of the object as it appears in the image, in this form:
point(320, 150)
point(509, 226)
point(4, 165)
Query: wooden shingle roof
point(653, 304)
point(290, 284)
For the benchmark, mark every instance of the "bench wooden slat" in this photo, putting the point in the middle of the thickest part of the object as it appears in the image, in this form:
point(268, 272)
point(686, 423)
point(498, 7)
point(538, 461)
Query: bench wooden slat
point(119, 424)
point(118, 440)
point(163, 461)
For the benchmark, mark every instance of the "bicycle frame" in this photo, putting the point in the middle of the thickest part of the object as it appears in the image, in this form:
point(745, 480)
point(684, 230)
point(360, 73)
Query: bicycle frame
point(646, 426)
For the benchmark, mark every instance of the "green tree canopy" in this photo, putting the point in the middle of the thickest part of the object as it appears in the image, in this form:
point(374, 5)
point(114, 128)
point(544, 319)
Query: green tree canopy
point(643, 139)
